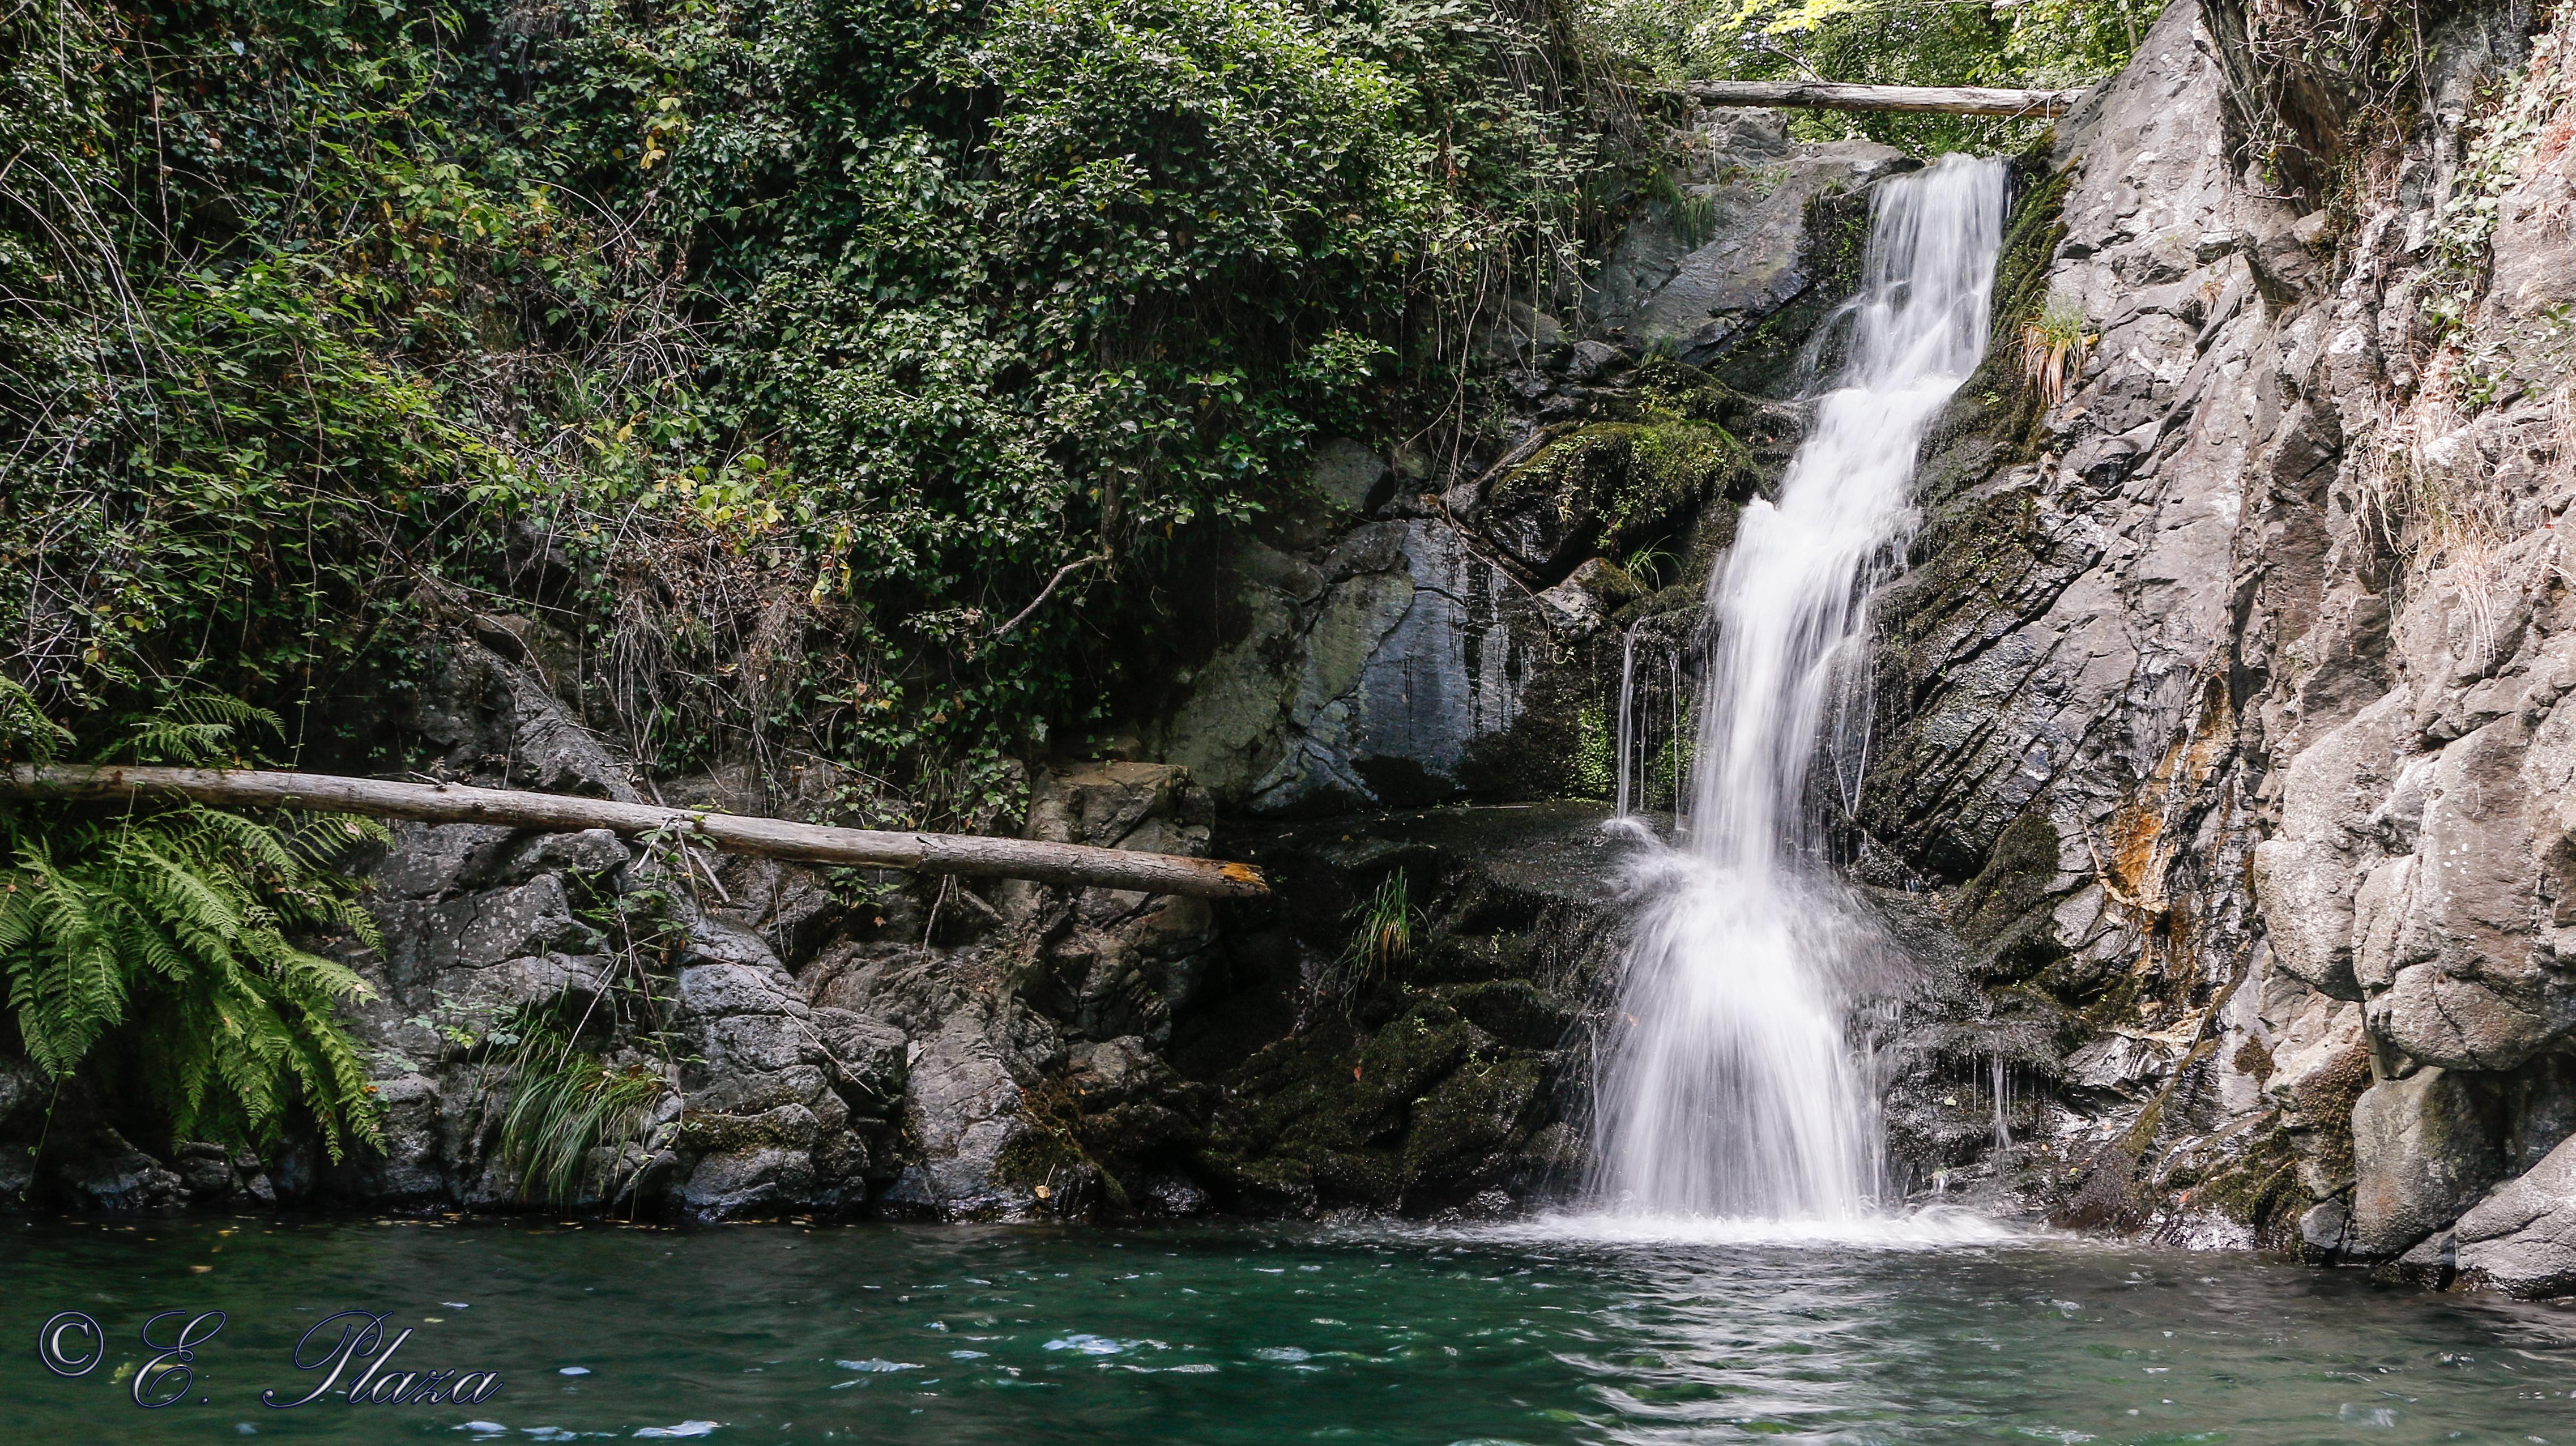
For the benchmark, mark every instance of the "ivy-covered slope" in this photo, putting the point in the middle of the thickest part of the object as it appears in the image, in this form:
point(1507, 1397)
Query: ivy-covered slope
point(856, 376)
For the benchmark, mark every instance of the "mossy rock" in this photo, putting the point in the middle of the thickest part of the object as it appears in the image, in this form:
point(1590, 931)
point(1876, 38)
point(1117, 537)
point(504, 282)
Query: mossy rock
point(1662, 448)
point(1433, 1084)
point(2002, 917)
point(1613, 486)
point(1513, 1011)
point(1475, 1114)
point(1347, 1112)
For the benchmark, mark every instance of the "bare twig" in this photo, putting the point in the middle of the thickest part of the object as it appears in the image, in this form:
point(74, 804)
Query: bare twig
point(1048, 591)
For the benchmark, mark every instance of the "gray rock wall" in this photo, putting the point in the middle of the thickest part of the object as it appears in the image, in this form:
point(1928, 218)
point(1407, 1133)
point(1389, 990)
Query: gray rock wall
point(2266, 621)
point(1364, 674)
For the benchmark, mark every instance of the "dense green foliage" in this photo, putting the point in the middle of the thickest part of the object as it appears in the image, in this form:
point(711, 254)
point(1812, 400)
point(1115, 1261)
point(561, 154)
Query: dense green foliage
point(778, 355)
point(151, 950)
point(2035, 43)
point(859, 376)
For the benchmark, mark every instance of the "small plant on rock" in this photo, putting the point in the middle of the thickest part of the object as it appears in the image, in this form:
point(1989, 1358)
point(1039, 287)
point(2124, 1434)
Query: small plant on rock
point(564, 1102)
point(1381, 940)
point(2053, 348)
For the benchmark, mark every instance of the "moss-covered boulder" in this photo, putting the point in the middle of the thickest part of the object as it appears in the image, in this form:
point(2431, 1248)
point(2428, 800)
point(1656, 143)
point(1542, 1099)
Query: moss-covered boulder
point(1638, 476)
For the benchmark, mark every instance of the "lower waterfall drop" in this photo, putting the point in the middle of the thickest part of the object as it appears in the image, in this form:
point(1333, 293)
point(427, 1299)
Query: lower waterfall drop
point(1732, 1087)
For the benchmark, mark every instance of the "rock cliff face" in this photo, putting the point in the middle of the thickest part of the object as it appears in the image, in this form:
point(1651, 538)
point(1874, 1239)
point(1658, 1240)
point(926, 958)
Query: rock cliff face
point(1427, 633)
point(2222, 705)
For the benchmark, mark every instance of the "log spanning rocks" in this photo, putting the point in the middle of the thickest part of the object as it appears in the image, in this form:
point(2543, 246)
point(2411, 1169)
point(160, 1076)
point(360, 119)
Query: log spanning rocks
point(929, 853)
point(1938, 100)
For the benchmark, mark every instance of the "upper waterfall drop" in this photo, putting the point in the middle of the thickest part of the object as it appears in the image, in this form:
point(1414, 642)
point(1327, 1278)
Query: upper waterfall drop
point(1732, 1087)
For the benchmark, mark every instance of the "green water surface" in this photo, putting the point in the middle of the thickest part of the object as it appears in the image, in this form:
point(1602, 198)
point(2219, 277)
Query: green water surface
point(886, 1333)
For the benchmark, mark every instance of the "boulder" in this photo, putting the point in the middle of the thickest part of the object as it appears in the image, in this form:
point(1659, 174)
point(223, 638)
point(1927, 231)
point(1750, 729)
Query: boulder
point(1365, 676)
point(1702, 279)
point(870, 1055)
point(754, 1180)
point(113, 1177)
point(2522, 1237)
point(2467, 982)
point(2424, 1147)
point(478, 930)
point(1347, 475)
point(963, 1112)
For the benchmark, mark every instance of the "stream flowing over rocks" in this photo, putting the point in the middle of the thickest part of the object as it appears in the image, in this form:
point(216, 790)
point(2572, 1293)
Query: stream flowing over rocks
point(2216, 775)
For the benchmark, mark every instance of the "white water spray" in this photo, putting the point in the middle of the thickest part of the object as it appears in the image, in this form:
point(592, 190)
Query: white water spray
point(1732, 1087)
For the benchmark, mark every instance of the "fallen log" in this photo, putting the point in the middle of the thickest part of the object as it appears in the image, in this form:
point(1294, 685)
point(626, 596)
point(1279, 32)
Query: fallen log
point(1941, 100)
point(927, 853)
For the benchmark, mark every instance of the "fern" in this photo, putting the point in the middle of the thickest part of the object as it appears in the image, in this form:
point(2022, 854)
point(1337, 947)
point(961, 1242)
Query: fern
point(158, 944)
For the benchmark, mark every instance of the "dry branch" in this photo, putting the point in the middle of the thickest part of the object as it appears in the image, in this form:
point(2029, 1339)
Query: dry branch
point(928, 853)
point(1944, 99)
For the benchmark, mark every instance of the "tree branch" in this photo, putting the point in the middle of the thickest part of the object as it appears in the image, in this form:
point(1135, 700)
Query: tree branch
point(1942, 100)
point(927, 853)
point(1047, 591)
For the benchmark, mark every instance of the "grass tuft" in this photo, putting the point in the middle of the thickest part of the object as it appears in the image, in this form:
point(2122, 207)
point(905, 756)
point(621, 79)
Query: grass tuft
point(2053, 348)
point(565, 1102)
point(1381, 940)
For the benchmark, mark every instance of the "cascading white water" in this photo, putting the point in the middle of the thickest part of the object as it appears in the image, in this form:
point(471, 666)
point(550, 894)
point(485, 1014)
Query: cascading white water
point(1732, 1087)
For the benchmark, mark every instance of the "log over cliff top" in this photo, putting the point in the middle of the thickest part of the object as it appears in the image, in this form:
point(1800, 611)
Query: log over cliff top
point(929, 853)
point(1940, 100)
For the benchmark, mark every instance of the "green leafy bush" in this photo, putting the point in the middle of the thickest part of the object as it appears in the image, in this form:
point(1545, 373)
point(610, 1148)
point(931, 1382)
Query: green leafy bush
point(775, 354)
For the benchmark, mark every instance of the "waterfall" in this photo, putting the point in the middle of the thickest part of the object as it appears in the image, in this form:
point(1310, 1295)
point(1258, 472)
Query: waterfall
point(1732, 1087)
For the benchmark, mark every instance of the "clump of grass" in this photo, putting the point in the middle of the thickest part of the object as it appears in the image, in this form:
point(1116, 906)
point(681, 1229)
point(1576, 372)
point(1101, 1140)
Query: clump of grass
point(2423, 511)
point(1647, 565)
point(2053, 347)
point(1693, 216)
point(1381, 939)
point(564, 1102)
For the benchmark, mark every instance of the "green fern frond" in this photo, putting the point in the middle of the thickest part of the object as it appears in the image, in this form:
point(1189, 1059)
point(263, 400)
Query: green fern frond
point(207, 707)
point(156, 946)
point(323, 840)
point(192, 730)
point(138, 937)
point(171, 741)
point(261, 844)
point(324, 982)
point(198, 904)
point(25, 731)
